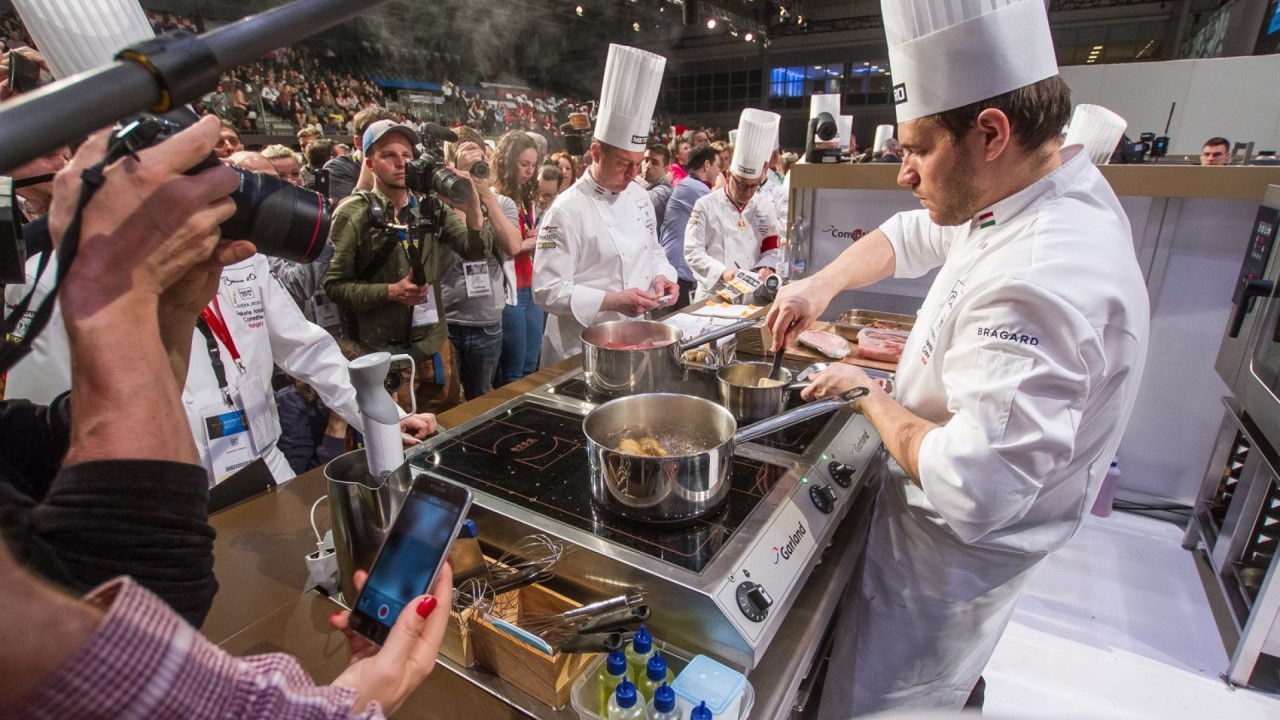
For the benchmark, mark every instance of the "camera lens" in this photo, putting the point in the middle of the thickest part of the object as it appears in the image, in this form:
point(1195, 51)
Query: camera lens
point(283, 220)
point(827, 128)
point(480, 169)
point(451, 186)
point(393, 381)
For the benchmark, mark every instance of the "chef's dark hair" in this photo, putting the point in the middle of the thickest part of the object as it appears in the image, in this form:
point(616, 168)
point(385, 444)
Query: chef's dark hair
point(1036, 112)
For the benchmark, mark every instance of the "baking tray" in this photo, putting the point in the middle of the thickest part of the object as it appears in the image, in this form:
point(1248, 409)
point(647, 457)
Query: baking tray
point(851, 321)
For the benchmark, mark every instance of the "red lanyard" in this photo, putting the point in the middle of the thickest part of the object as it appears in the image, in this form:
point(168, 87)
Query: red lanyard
point(526, 222)
point(212, 315)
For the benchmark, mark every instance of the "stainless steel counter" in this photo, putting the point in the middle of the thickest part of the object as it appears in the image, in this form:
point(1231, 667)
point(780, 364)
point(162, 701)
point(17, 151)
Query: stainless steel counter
point(263, 605)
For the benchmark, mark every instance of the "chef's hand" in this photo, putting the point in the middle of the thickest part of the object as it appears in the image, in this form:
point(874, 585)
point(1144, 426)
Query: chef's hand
point(630, 302)
point(419, 427)
point(407, 292)
point(837, 378)
point(794, 310)
point(389, 674)
point(665, 291)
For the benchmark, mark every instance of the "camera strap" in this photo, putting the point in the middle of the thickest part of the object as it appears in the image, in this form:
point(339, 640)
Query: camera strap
point(15, 348)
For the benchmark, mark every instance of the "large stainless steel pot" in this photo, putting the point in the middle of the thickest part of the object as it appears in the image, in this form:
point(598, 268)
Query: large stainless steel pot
point(616, 372)
point(699, 435)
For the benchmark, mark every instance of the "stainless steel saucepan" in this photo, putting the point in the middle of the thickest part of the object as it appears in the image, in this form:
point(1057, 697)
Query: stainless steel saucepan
point(746, 390)
point(665, 458)
point(626, 357)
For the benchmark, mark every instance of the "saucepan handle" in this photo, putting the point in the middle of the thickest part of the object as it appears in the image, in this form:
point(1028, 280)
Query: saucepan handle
point(798, 415)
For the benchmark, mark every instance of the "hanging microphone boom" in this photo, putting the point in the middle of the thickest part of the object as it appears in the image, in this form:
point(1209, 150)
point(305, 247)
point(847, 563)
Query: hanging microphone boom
point(157, 76)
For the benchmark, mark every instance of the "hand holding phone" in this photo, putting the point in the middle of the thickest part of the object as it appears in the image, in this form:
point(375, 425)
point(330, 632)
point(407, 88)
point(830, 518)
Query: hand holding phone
point(24, 72)
point(411, 558)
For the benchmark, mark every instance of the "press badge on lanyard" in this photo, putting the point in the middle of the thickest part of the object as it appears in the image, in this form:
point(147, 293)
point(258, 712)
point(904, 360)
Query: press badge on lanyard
point(477, 276)
point(240, 428)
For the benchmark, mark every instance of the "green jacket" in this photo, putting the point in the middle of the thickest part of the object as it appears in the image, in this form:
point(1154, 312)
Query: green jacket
point(383, 324)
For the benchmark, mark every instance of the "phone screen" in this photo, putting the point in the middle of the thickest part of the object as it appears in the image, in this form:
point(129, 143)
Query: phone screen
point(412, 555)
point(24, 73)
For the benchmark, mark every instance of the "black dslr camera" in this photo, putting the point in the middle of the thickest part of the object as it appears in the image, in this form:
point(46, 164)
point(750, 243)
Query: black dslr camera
point(428, 173)
point(282, 220)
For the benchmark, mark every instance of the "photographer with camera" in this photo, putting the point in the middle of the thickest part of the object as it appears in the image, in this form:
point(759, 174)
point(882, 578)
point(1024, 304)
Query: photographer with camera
point(106, 481)
point(598, 257)
point(388, 250)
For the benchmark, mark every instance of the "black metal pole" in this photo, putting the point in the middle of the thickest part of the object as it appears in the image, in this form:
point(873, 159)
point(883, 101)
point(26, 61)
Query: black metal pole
point(41, 121)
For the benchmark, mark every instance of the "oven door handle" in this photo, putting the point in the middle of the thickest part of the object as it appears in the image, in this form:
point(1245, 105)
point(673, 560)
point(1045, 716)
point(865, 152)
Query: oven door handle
point(1252, 289)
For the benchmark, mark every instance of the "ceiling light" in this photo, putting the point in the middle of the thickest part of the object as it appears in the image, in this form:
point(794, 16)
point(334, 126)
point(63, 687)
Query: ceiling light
point(711, 23)
point(733, 31)
point(578, 10)
point(1097, 47)
point(635, 26)
point(749, 37)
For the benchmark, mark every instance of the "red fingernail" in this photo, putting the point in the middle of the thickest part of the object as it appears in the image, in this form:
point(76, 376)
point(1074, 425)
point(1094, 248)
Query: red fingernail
point(335, 617)
point(426, 606)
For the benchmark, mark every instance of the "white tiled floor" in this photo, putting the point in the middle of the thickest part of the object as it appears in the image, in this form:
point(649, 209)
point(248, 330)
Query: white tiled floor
point(1117, 625)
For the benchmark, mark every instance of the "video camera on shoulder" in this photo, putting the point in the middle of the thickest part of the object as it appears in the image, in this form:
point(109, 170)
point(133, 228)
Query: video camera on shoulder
point(577, 134)
point(281, 219)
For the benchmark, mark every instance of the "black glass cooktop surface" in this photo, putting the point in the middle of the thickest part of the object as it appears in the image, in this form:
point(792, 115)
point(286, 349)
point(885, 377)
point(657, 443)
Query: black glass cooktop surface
point(535, 457)
point(702, 383)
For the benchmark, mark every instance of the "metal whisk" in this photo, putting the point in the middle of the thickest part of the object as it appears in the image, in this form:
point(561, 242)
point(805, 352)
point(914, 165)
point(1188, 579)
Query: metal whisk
point(532, 551)
point(610, 614)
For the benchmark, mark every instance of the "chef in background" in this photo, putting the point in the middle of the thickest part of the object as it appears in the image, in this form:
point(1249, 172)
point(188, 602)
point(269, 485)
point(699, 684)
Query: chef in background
point(598, 256)
point(1015, 386)
point(733, 227)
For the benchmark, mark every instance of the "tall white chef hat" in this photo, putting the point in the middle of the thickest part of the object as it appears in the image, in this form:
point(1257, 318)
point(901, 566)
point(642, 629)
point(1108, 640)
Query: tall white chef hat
point(632, 78)
point(844, 123)
point(947, 54)
point(825, 104)
point(757, 131)
point(733, 136)
point(75, 36)
point(883, 132)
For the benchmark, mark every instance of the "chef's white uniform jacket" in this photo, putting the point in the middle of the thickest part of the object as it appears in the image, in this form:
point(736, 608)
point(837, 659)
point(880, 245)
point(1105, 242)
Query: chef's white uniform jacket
point(266, 326)
point(721, 235)
point(592, 241)
point(1027, 352)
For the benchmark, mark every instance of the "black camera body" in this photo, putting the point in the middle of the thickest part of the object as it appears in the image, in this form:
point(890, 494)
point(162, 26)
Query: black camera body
point(281, 219)
point(428, 174)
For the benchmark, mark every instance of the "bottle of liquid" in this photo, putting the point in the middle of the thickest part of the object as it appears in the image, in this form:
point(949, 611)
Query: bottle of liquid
point(655, 675)
point(624, 705)
point(638, 654)
point(797, 240)
point(783, 268)
point(663, 705)
point(702, 712)
point(612, 673)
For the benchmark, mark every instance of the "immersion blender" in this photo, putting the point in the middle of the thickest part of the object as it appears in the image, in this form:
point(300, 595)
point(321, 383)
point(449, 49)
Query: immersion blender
point(379, 415)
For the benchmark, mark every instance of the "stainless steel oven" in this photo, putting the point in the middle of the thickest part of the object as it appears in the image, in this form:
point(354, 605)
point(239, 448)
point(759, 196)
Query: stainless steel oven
point(1235, 524)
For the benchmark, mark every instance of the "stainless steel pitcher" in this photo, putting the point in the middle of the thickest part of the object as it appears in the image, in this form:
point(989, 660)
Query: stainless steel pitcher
point(361, 510)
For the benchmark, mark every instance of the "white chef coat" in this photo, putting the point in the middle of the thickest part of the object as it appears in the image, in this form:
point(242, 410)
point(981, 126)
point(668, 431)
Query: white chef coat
point(1027, 352)
point(721, 235)
point(592, 241)
point(267, 328)
point(45, 372)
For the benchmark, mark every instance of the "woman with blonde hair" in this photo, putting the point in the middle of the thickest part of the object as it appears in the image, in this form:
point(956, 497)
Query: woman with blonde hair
point(515, 162)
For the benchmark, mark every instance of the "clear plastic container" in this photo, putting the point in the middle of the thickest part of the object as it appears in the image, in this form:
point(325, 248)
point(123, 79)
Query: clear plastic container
point(705, 681)
point(586, 689)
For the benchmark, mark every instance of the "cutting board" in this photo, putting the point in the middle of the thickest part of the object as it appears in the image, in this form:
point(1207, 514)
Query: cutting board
point(756, 341)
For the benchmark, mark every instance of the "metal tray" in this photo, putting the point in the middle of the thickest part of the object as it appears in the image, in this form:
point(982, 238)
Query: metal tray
point(851, 321)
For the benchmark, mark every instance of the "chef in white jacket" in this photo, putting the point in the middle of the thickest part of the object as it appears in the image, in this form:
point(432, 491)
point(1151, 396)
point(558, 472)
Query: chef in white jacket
point(253, 323)
point(1017, 381)
point(598, 256)
point(735, 228)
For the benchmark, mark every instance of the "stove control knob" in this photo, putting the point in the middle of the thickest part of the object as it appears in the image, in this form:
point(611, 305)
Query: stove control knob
point(753, 601)
point(841, 473)
point(823, 497)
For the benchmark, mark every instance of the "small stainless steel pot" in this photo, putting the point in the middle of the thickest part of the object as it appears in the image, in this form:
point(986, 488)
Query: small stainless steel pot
point(693, 479)
point(616, 372)
point(741, 394)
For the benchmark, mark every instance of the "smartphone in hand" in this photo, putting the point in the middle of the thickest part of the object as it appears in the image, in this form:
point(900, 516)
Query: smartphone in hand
point(411, 558)
point(24, 73)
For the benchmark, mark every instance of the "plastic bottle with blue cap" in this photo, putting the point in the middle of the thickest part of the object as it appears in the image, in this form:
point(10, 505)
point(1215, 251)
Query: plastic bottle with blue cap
point(656, 673)
point(702, 712)
point(612, 673)
point(663, 705)
point(625, 704)
point(638, 654)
